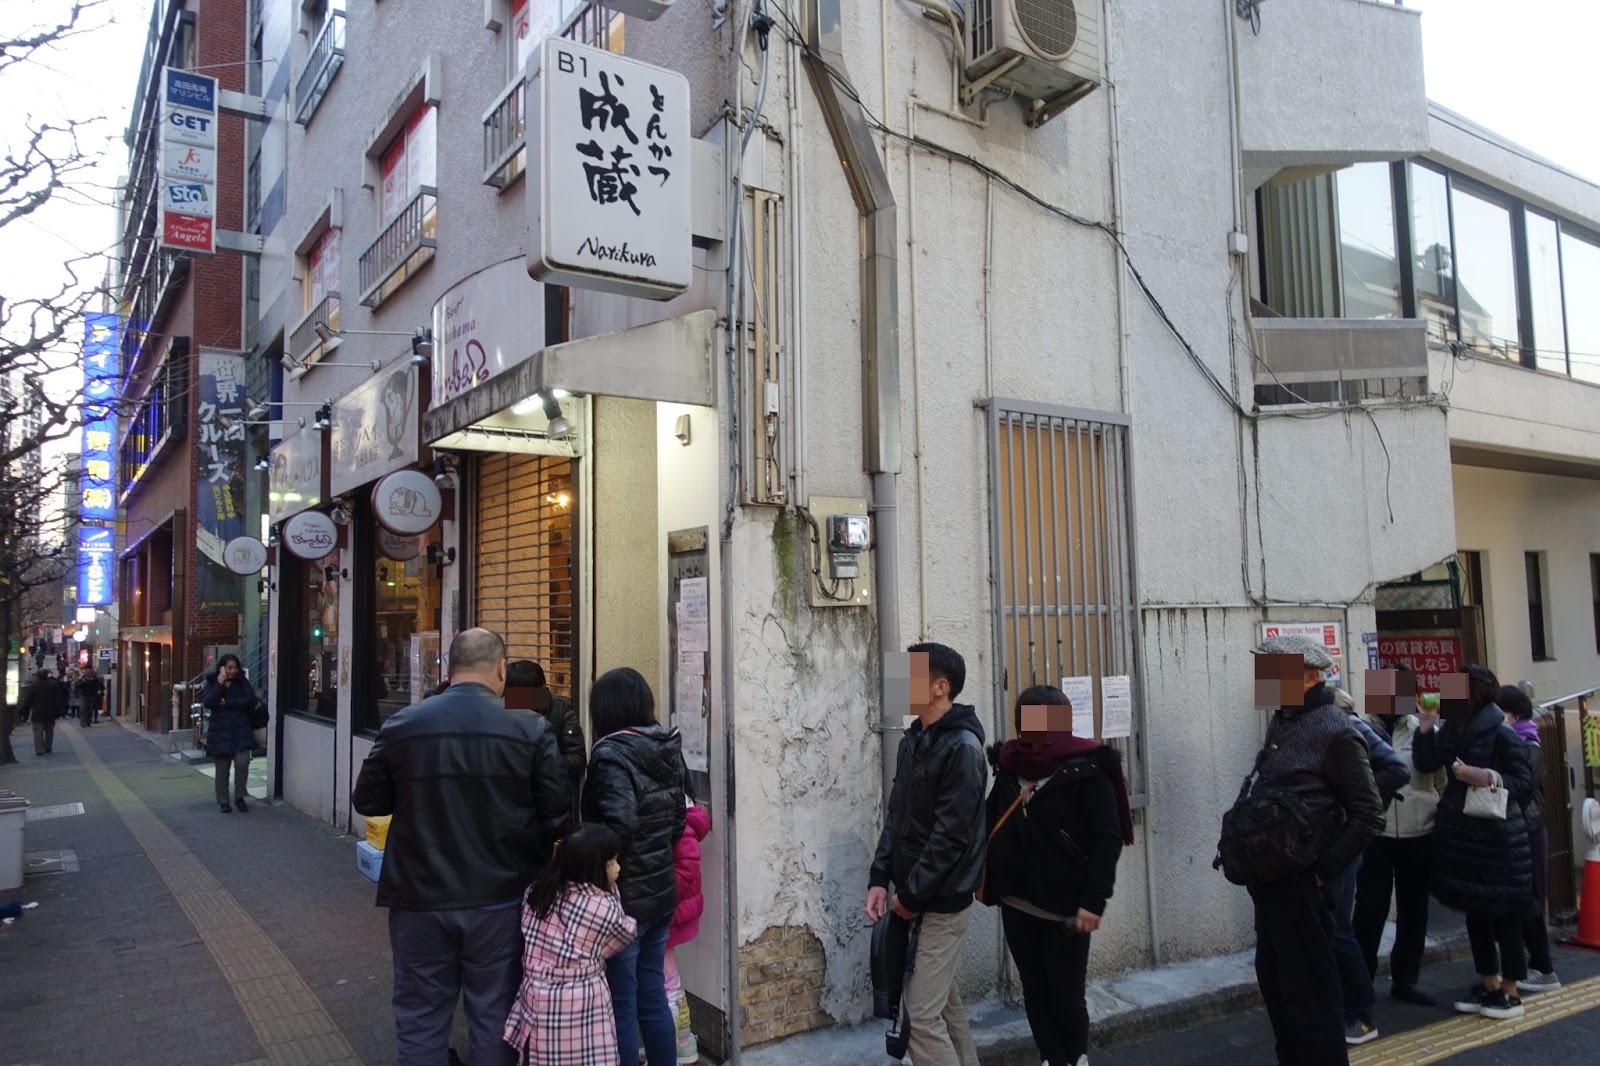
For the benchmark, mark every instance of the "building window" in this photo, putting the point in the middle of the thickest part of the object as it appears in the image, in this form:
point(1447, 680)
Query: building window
point(311, 621)
point(1544, 281)
point(1471, 564)
point(407, 206)
point(1369, 267)
point(1580, 278)
point(1061, 554)
point(1538, 617)
point(402, 620)
point(1432, 261)
point(1486, 275)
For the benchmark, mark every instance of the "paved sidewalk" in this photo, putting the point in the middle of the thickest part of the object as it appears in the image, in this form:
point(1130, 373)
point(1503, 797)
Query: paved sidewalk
point(184, 935)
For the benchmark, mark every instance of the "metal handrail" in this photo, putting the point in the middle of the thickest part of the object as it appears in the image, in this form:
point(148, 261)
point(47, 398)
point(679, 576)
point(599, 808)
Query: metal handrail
point(505, 134)
point(408, 233)
point(322, 65)
point(1578, 695)
point(303, 339)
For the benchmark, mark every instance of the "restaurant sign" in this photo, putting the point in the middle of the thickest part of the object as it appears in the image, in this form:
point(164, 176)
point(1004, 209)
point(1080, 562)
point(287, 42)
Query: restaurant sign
point(483, 325)
point(375, 429)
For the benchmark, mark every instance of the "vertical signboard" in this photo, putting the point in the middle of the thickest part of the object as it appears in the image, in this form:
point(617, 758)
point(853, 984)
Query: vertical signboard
point(96, 478)
point(219, 489)
point(188, 161)
point(94, 566)
point(610, 196)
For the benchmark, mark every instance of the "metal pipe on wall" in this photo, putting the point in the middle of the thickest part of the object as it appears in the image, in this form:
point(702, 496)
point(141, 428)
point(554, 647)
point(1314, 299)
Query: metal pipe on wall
point(880, 328)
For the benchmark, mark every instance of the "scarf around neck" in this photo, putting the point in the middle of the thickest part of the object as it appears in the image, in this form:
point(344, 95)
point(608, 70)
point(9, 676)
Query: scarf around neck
point(1527, 729)
point(1035, 762)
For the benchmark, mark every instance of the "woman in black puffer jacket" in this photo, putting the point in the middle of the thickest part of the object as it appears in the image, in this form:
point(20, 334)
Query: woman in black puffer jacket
point(1058, 818)
point(229, 736)
point(1482, 865)
point(635, 788)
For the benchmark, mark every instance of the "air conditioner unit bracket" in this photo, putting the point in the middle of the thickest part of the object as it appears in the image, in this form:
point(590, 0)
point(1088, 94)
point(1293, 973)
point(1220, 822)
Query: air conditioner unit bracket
point(1046, 110)
point(971, 89)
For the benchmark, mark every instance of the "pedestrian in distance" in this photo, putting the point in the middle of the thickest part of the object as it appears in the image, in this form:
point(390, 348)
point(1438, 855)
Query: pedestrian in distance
point(478, 795)
point(230, 738)
point(1481, 862)
point(572, 923)
point(686, 917)
point(1535, 932)
point(91, 691)
point(1058, 818)
point(69, 681)
point(1390, 773)
point(42, 704)
point(526, 690)
point(635, 788)
point(1398, 861)
point(931, 848)
point(1306, 811)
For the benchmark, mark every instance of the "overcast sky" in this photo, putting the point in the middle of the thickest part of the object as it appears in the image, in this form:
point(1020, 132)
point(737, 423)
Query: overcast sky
point(1524, 69)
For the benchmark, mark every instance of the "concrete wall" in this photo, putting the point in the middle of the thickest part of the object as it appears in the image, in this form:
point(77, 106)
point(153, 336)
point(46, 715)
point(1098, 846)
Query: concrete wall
point(627, 632)
point(1505, 513)
point(308, 766)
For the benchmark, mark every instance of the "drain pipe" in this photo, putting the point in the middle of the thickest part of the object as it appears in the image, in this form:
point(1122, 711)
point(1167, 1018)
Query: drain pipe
point(880, 331)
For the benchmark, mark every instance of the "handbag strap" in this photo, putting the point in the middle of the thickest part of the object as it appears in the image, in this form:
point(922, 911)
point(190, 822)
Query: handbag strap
point(1261, 757)
point(983, 879)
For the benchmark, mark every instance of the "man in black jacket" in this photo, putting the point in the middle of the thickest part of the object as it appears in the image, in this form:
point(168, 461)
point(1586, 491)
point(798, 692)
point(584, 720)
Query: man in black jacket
point(1314, 754)
point(526, 690)
point(931, 849)
point(478, 795)
point(45, 701)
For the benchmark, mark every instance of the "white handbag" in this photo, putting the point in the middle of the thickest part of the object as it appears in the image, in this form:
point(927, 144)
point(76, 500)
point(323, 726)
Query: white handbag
point(1487, 801)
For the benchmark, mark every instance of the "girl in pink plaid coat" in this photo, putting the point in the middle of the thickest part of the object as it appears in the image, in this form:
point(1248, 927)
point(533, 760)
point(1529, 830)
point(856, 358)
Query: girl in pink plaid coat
point(572, 921)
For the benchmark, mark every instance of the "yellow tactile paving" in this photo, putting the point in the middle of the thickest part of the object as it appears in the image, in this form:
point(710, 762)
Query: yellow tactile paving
point(289, 1021)
point(1464, 1032)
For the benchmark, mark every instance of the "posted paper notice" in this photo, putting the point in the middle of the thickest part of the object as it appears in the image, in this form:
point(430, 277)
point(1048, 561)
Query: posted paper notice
point(1116, 707)
point(1080, 690)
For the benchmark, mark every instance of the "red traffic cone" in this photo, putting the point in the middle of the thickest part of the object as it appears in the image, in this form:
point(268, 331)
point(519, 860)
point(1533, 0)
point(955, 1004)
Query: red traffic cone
point(1588, 934)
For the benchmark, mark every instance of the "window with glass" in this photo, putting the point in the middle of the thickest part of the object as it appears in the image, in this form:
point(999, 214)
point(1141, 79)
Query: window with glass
point(1432, 261)
point(311, 638)
point(410, 162)
point(1486, 275)
point(322, 271)
point(1580, 279)
point(402, 626)
point(1369, 268)
point(1544, 285)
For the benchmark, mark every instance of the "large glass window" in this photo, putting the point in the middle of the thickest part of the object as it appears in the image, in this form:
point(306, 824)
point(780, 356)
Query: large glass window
point(1544, 279)
point(1369, 269)
point(1431, 258)
point(1580, 274)
point(1486, 275)
point(312, 634)
point(403, 627)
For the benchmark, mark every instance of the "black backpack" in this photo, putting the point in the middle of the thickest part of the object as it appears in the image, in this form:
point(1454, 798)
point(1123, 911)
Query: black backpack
point(1269, 838)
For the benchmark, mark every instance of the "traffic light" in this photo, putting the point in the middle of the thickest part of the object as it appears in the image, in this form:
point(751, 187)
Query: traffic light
point(316, 632)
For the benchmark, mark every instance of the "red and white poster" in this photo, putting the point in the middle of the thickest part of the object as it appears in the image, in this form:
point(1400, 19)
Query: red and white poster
point(410, 162)
point(188, 232)
point(1430, 657)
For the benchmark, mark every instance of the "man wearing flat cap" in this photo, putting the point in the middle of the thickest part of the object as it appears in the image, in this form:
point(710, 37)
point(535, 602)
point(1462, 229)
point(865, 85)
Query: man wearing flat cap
point(1314, 755)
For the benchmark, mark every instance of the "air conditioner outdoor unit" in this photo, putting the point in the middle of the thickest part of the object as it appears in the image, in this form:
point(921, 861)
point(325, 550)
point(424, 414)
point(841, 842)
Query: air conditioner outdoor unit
point(1045, 51)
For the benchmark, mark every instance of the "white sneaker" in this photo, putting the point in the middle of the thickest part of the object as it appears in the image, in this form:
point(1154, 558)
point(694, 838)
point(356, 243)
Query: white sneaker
point(1539, 982)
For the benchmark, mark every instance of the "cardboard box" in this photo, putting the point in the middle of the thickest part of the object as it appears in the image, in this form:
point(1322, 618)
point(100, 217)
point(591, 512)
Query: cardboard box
point(369, 860)
point(378, 830)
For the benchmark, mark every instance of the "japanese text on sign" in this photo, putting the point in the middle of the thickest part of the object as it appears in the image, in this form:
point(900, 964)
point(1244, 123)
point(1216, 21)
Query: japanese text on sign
point(1428, 657)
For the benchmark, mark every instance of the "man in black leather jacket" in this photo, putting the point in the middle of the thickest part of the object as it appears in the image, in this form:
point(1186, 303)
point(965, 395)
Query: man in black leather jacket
point(931, 849)
point(478, 794)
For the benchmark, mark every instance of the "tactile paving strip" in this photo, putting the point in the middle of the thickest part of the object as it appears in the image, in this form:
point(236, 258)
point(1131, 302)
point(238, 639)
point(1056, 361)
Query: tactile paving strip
point(1466, 1032)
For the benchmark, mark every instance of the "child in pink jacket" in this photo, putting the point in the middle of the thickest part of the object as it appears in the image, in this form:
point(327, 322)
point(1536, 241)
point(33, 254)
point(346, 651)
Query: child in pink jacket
point(686, 919)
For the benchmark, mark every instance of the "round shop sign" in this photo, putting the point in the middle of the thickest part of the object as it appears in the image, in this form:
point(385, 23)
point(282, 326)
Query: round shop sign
point(310, 535)
point(407, 502)
point(244, 555)
point(400, 549)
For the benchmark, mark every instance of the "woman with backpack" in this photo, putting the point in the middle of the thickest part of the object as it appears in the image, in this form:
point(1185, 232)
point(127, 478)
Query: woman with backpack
point(1481, 861)
point(1058, 818)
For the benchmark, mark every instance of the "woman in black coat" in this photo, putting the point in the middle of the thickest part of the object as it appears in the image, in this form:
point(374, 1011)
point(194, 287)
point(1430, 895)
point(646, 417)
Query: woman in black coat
point(230, 738)
point(635, 788)
point(1482, 866)
point(1058, 818)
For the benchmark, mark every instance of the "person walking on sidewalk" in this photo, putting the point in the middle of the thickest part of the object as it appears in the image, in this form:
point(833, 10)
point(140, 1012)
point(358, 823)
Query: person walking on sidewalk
point(1398, 860)
point(1058, 818)
point(635, 788)
point(230, 739)
point(1315, 767)
point(1389, 773)
point(91, 690)
point(1535, 932)
point(1481, 863)
point(478, 794)
point(42, 704)
point(931, 849)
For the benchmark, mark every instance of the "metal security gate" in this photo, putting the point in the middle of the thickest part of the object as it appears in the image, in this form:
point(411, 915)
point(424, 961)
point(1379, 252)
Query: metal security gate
point(1061, 558)
point(525, 560)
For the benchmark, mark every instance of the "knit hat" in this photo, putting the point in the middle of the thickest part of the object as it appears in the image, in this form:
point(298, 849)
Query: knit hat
point(1315, 655)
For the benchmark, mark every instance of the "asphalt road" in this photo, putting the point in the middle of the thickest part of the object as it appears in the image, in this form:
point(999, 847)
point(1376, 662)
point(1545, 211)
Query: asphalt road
point(1410, 1036)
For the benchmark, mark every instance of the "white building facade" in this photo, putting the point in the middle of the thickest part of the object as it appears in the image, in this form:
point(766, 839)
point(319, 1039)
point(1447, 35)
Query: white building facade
point(1108, 415)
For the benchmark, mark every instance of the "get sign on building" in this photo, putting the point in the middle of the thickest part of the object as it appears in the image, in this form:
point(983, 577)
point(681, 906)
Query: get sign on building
point(609, 203)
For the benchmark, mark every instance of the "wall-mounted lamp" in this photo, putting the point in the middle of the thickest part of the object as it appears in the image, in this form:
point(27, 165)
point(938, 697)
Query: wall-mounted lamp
point(441, 557)
point(342, 514)
point(559, 426)
point(445, 469)
point(333, 573)
point(324, 418)
point(259, 411)
point(422, 347)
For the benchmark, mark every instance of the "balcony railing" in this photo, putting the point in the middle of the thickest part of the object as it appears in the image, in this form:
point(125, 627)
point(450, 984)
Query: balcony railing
point(305, 347)
point(322, 65)
point(404, 247)
point(505, 136)
point(1340, 360)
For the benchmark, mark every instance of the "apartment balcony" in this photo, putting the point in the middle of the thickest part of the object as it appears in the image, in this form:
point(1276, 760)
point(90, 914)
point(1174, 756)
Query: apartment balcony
point(305, 346)
point(1513, 417)
point(505, 136)
point(323, 63)
point(404, 247)
point(1340, 360)
point(1330, 82)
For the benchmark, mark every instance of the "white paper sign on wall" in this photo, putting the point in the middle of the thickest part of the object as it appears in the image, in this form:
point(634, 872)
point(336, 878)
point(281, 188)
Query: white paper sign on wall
point(407, 502)
point(244, 555)
point(609, 200)
point(310, 535)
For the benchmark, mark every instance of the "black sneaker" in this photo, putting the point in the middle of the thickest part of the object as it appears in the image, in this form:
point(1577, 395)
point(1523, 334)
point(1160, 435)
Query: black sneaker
point(1502, 1006)
point(1539, 982)
point(240, 803)
point(227, 808)
point(1359, 1032)
point(1413, 995)
point(1472, 1001)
